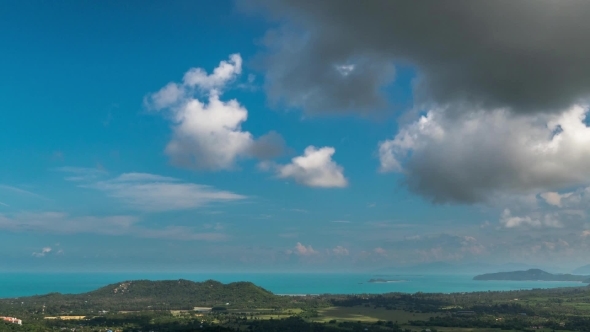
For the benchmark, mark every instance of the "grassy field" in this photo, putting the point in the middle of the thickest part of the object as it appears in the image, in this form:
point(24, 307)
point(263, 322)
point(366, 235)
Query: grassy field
point(268, 313)
point(366, 314)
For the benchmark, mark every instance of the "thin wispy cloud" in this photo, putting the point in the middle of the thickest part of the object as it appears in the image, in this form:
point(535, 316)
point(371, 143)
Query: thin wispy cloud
point(119, 225)
point(150, 192)
point(20, 191)
point(79, 174)
point(43, 252)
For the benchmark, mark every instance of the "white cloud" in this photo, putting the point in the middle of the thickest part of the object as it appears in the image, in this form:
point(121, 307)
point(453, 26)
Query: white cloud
point(552, 198)
point(82, 173)
point(380, 251)
point(482, 154)
point(303, 250)
point(546, 220)
point(208, 134)
point(168, 96)
point(585, 233)
point(340, 251)
point(20, 191)
point(43, 252)
point(345, 70)
point(314, 169)
point(226, 72)
point(579, 198)
point(151, 192)
point(341, 221)
point(123, 225)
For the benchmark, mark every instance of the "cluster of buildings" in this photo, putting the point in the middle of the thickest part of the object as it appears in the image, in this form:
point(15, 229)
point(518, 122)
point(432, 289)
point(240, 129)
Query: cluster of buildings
point(12, 320)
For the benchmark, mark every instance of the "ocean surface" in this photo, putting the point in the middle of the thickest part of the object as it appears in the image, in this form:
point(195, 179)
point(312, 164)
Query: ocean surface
point(24, 284)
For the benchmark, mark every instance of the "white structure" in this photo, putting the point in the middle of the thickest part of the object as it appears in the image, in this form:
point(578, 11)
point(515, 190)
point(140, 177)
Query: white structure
point(12, 320)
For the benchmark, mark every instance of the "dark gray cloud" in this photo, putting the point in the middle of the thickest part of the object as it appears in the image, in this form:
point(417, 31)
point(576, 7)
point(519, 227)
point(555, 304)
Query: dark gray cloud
point(528, 55)
point(268, 146)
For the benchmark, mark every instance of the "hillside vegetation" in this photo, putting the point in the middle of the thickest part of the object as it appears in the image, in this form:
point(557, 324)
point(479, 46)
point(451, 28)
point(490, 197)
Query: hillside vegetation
point(165, 306)
point(151, 295)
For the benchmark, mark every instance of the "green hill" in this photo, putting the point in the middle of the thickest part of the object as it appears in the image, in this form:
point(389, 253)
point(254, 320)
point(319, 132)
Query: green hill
point(153, 295)
point(207, 292)
point(531, 275)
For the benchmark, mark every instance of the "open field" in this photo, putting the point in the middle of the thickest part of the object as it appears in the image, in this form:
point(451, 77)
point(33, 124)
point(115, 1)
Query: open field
point(267, 313)
point(368, 314)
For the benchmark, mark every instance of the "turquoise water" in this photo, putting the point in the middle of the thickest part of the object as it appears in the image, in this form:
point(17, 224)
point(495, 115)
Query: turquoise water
point(24, 284)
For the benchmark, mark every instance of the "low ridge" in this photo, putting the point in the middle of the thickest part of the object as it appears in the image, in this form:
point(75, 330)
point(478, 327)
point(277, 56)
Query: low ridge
point(531, 275)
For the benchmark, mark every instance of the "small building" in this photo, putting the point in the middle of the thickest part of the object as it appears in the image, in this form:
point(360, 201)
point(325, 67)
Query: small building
point(12, 320)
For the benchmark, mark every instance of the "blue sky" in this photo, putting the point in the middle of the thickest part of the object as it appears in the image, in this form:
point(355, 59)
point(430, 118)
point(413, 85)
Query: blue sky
point(123, 150)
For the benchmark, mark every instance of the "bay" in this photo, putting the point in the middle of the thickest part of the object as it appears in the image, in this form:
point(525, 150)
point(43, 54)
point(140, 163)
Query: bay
point(26, 284)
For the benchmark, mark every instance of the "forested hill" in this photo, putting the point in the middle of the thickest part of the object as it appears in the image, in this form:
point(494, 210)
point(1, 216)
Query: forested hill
point(532, 274)
point(154, 295)
point(209, 291)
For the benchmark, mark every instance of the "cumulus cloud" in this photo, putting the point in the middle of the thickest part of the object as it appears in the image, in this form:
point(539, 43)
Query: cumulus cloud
point(476, 156)
point(547, 220)
point(501, 91)
point(224, 73)
point(150, 192)
point(43, 252)
point(380, 251)
point(315, 168)
point(530, 56)
point(207, 131)
point(568, 200)
point(340, 251)
point(552, 198)
point(303, 250)
point(117, 225)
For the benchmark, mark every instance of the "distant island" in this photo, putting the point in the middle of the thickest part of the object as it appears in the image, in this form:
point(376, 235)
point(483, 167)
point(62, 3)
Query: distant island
point(532, 275)
point(383, 281)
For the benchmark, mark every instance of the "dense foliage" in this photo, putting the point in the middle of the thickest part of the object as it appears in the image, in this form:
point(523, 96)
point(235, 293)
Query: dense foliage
point(146, 295)
point(167, 306)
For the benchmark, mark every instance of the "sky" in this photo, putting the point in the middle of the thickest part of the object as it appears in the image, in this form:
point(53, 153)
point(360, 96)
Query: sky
point(297, 136)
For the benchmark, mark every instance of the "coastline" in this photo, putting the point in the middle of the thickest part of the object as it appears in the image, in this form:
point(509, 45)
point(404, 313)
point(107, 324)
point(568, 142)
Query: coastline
point(312, 284)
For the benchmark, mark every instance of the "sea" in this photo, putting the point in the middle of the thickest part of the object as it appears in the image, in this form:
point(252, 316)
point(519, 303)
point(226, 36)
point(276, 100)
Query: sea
point(25, 284)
